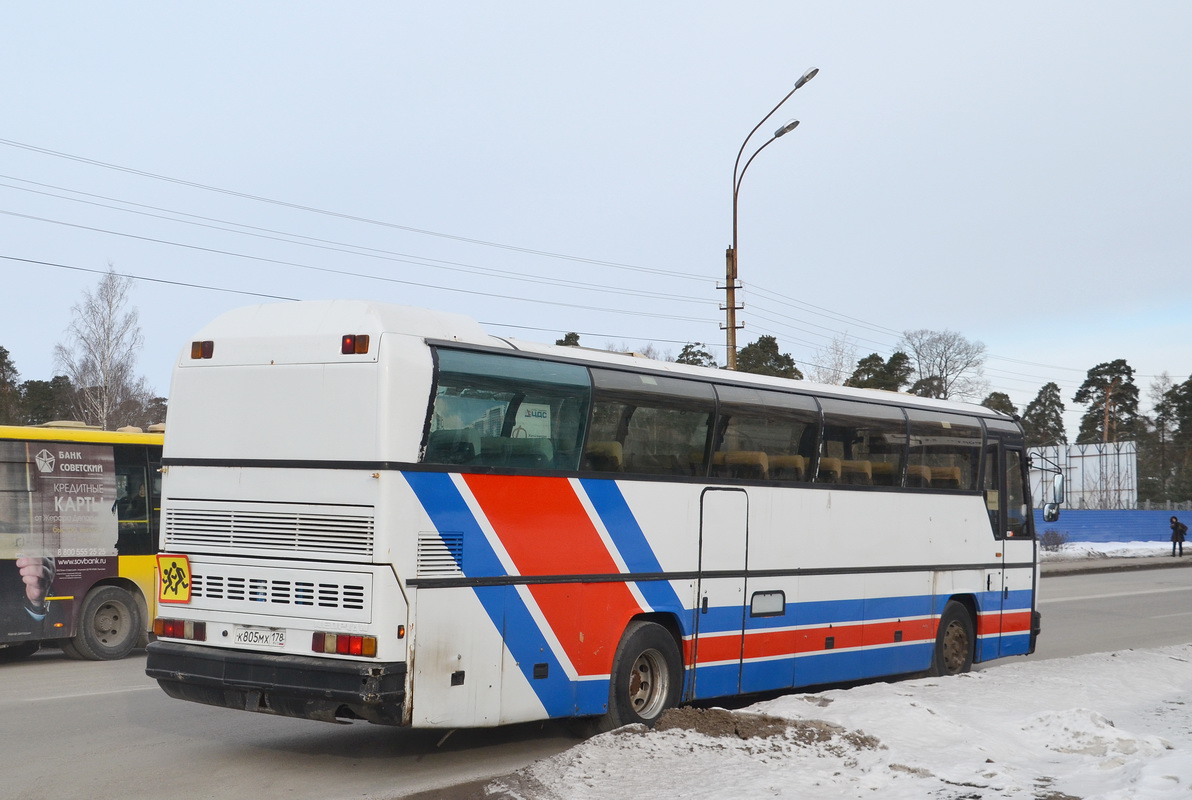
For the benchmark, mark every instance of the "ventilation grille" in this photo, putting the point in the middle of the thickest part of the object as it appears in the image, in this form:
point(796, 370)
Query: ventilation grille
point(247, 589)
point(215, 529)
point(263, 590)
point(440, 554)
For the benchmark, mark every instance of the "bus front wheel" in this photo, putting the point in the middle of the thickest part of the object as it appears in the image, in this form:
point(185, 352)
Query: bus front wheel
point(646, 679)
point(954, 642)
point(109, 626)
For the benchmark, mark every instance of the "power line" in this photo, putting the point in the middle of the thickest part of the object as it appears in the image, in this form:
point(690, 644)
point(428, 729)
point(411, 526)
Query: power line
point(818, 310)
point(327, 244)
point(144, 278)
point(345, 216)
point(647, 314)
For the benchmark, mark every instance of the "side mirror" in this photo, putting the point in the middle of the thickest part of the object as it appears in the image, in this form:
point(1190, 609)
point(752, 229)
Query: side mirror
point(1057, 490)
point(1051, 512)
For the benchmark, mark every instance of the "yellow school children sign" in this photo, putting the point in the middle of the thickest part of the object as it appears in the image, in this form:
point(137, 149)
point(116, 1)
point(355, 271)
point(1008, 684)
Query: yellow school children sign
point(174, 583)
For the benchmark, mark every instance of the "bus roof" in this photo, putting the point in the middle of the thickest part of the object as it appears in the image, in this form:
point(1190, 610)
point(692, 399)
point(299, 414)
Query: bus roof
point(317, 320)
point(76, 434)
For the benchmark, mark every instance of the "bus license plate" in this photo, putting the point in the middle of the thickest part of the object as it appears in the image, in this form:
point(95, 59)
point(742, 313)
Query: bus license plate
point(261, 637)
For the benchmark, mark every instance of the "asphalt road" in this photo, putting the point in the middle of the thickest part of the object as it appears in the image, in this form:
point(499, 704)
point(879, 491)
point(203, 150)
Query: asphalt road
point(99, 730)
point(1086, 610)
point(103, 730)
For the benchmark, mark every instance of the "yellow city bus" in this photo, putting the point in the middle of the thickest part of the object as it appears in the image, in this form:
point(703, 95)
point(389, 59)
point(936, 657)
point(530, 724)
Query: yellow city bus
point(79, 511)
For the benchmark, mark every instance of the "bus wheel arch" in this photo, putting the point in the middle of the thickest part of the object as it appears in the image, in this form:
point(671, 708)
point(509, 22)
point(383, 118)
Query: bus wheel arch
point(955, 640)
point(111, 624)
point(646, 677)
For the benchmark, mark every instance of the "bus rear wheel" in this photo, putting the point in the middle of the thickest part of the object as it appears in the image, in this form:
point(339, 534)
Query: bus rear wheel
point(109, 626)
point(646, 679)
point(954, 642)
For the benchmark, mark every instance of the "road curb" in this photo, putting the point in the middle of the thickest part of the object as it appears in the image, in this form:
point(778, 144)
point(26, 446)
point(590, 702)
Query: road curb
point(1090, 566)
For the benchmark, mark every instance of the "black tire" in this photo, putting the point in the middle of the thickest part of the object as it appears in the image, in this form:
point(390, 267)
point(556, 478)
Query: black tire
point(16, 652)
point(647, 677)
point(109, 626)
point(954, 642)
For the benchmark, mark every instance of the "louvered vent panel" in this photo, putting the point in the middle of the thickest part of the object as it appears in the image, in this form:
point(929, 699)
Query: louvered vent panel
point(279, 592)
point(440, 555)
point(217, 529)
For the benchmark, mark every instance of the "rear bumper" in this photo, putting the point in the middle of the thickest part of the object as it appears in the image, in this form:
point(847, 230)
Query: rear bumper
point(306, 687)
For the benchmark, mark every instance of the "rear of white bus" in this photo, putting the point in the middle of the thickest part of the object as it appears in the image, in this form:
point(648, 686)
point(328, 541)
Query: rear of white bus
point(280, 588)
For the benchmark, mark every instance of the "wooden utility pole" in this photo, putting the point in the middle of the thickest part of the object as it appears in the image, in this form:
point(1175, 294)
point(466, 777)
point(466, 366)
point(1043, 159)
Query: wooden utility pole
point(730, 305)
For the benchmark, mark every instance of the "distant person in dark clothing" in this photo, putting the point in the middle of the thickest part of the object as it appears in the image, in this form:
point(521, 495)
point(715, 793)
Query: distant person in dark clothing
point(1178, 531)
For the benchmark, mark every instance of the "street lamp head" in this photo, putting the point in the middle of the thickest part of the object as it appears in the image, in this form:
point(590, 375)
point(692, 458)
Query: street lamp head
point(808, 75)
point(787, 128)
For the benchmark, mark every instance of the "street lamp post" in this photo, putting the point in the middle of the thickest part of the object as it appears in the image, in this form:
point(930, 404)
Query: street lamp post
point(730, 282)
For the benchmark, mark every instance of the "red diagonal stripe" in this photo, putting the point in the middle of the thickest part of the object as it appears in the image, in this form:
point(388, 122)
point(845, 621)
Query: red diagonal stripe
point(546, 531)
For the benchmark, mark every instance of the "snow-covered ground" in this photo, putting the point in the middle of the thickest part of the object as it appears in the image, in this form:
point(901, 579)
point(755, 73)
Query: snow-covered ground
point(1107, 725)
point(1073, 551)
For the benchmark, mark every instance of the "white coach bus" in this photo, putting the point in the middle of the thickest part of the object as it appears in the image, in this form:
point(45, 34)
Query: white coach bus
point(384, 513)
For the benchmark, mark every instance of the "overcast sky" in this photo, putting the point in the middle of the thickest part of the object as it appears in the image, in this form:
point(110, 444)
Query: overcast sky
point(1016, 172)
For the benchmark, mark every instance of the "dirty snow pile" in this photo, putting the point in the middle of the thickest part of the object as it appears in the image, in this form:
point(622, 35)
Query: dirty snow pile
point(1107, 725)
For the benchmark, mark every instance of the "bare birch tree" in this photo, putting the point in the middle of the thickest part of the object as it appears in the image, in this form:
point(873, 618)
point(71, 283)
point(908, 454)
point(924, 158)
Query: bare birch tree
point(834, 362)
point(100, 353)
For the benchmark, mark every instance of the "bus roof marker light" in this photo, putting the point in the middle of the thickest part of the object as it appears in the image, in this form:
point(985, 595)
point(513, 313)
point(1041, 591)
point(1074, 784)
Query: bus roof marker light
point(202, 349)
point(354, 344)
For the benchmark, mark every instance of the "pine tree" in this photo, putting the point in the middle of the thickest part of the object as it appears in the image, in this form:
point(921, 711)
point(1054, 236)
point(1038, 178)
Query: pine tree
point(1176, 411)
point(1112, 397)
point(10, 394)
point(1000, 401)
point(43, 401)
point(873, 372)
point(1043, 420)
point(762, 358)
point(694, 353)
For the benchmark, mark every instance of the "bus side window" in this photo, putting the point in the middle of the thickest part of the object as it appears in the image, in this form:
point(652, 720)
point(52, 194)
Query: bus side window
point(764, 435)
point(506, 411)
point(1017, 513)
point(992, 489)
point(945, 450)
point(133, 508)
point(1005, 493)
point(661, 424)
point(864, 444)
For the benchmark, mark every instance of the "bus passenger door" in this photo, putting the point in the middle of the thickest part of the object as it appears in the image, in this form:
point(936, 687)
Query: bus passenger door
point(719, 615)
point(1018, 557)
point(1005, 623)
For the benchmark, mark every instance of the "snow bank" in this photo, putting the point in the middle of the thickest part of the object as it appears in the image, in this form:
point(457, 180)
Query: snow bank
point(1108, 725)
point(1074, 551)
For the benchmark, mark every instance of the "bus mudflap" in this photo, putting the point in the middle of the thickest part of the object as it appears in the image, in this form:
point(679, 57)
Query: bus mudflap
point(305, 687)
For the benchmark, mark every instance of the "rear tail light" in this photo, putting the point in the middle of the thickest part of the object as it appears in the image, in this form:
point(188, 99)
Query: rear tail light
point(180, 629)
point(344, 644)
